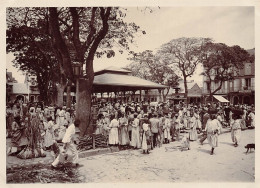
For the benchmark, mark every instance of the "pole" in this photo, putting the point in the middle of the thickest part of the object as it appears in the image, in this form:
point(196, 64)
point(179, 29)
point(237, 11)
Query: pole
point(77, 92)
point(28, 91)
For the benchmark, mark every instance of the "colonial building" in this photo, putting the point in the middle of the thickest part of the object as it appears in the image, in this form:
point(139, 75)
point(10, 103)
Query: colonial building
point(194, 93)
point(175, 95)
point(27, 91)
point(241, 90)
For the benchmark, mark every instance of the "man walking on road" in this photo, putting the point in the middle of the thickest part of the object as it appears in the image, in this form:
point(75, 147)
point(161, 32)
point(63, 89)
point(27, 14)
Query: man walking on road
point(69, 152)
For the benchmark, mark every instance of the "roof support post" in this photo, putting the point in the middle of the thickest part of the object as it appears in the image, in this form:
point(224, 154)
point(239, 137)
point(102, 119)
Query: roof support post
point(133, 94)
point(115, 100)
point(140, 95)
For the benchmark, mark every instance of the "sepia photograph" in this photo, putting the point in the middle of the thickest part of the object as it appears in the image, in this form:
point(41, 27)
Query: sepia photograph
point(130, 94)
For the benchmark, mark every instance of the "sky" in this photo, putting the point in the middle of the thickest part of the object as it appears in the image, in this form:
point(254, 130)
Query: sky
point(229, 25)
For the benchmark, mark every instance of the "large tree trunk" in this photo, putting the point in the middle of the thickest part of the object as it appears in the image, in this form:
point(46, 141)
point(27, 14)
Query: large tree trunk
point(60, 93)
point(165, 94)
point(83, 109)
point(186, 89)
point(68, 95)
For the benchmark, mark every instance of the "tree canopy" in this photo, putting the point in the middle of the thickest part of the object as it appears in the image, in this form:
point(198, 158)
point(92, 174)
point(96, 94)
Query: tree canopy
point(222, 63)
point(152, 67)
point(184, 54)
point(76, 35)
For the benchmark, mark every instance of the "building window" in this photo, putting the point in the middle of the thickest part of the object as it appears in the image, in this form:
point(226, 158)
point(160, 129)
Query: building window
point(208, 87)
point(32, 98)
point(248, 82)
point(230, 86)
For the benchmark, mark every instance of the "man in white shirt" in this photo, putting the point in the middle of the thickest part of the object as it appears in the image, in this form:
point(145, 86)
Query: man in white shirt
point(69, 152)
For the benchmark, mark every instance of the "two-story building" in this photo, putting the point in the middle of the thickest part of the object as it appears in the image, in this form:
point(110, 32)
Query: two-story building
point(240, 90)
point(27, 91)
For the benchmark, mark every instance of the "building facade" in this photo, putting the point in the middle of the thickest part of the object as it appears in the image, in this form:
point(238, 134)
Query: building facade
point(240, 90)
point(27, 91)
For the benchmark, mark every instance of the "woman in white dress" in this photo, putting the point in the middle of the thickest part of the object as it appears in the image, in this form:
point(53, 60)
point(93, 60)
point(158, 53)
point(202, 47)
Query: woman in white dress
point(252, 119)
point(113, 133)
point(123, 123)
point(135, 142)
point(49, 133)
point(197, 119)
point(236, 129)
point(145, 136)
point(167, 127)
point(57, 116)
point(193, 131)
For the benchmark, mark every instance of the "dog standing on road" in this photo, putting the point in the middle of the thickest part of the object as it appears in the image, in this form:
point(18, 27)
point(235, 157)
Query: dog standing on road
point(249, 147)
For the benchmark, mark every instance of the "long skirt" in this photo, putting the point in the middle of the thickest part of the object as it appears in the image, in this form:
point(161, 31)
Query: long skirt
point(124, 136)
point(58, 120)
point(62, 120)
point(135, 142)
point(236, 135)
point(19, 138)
point(253, 123)
point(193, 134)
point(198, 123)
point(113, 136)
point(120, 135)
point(48, 138)
point(160, 135)
point(167, 133)
point(213, 140)
point(144, 142)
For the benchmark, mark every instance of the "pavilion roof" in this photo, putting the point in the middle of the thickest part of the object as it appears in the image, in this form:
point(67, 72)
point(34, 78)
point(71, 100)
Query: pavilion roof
point(110, 81)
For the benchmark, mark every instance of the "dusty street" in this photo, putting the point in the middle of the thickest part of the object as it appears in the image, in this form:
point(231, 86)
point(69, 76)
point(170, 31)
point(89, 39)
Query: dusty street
point(169, 164)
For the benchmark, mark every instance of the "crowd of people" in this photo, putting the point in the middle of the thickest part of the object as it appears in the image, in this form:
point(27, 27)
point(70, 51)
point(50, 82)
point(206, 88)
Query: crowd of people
point(126, 125)
point(49, 125)
point(139, 125)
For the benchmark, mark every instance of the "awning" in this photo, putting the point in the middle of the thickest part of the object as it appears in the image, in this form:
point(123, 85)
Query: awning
point(220, 98)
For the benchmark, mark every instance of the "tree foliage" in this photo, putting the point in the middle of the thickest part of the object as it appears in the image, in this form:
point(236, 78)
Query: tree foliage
point(78, 34)
point(151, 67)
point(33, 55)
point(184, 54)
point(222, 63)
